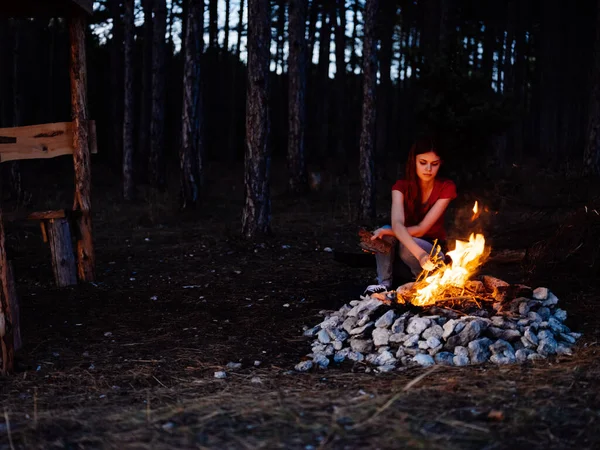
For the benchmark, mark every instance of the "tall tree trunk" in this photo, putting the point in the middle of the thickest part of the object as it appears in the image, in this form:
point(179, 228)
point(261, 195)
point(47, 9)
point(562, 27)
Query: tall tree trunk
point(128, 107)
point(157, 122)
point(313, 18)
point(16, 190)
point(323, 81)
point(297, 96)
point(226, 28)
point(489, 47)
point(190, 153)
point(387, 21)
point(591, 154)
point(354, 63)
point(116, 77)
point(431, 30)
point(240, 30)
point(366, 165)
point(280, 61)
point(146, 92)
point(213, 24)
point(256, 215)
point(340, 82)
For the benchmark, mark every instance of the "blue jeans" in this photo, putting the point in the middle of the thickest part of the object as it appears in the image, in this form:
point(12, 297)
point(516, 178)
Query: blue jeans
point(398, 254)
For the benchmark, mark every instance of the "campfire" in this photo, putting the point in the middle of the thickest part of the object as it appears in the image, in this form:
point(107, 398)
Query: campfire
point(447, 316)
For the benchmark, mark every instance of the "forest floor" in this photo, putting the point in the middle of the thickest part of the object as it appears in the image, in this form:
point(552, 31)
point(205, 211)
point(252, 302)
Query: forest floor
point(128, 362)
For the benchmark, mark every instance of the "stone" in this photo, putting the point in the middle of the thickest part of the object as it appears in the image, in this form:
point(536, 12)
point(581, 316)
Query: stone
point(400, 353)
point(544, 312)
point(560, 314)
point(312, 331)
point(337, 334)
point(567, 338)
point(433, 331)
point(233, 366)
point(323, 337)
point(449, 328)
point(424, 360)
point(361, 330)
point(479, 350)
point(303, 366)
point(545, 334)
point(523, 308)
point(435, 350)
point(502, 359)
point(365, 307)
point(522, 354)
point(530, 335)
point(444, 358)
point(547, 347)
point(341, 355)
point(371, 357)
point(411, 341)
point(338, 345)
point(321, 360)
point(356, 356)
point(423, 345)
point(381, 336)
point(511, 335)
point(416, 325)
point(540, 293)
point(386, 368)
point(501, 346)
point(556, 326)
point(523, 322)
point(433, 342)
point(331, 322)
point(460, 360)
point(349, 324)
point(563, 350)
point(471, 332)
point(461, 351)
point(399, 325)
point(385, 358)
point(495, 332)
point(363, 320)
point(518, 345)
point(361, 345)
point(535, 357)
point(534, 316)
point(398, 337)
point(386, 320)
point(551, 301)
point(527, 343)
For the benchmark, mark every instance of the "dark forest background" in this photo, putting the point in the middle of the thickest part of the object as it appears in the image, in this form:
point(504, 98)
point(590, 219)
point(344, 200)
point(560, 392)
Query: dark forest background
point(502, 83)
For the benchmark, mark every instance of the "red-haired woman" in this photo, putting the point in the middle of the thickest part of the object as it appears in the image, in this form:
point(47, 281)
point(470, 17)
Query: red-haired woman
point(418, 205)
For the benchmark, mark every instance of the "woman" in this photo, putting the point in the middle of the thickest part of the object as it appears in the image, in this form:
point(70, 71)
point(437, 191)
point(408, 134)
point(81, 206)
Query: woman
point(418, 206)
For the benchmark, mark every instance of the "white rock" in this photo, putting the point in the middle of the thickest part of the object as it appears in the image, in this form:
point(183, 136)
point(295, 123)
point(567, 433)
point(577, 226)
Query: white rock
point(233, 366)
point(386, 320)
point(220, 374)
point(540, 293)
point(424, 360)
point(303, 366)
point(381, 336)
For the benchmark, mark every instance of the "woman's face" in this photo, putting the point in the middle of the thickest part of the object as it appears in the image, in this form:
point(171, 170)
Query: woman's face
point(428, 165)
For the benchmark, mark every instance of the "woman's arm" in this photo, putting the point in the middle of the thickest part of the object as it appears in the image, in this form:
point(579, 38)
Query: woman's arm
point(402, 233)
point(432, 216)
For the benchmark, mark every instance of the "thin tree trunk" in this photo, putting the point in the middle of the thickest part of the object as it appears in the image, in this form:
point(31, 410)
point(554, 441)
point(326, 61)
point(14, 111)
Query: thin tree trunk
point(386, 27)
point(213, 24)
point(591, 154)
point(313, 18)
point(226, 28)
point(354, 63)
point(157, 121)
point(146, 91)
point(116, 76)
point(8, 316)
point(280, 61)
point(128, 107)
point(297, 96)
point(16, 189)
point(86, 259)
point(366, 165)
point(256, 215)
point(240, 29)
point(323, 81)
point(340, 81)
point(190, 154)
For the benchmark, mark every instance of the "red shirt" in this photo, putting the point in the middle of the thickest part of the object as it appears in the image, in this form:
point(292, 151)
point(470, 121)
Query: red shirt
point(441, 189)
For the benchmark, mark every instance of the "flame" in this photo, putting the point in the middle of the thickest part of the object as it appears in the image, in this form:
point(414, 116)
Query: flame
point(476, 211)
point(466, 257)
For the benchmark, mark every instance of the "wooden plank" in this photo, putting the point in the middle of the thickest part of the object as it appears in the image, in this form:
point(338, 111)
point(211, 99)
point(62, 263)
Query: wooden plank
point(40, 141)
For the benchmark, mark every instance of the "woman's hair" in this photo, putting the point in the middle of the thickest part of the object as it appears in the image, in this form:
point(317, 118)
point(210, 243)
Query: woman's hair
point(413, 187)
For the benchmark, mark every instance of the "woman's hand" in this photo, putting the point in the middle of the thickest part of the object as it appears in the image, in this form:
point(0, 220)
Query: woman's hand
point(381, 232)
point(426, 262)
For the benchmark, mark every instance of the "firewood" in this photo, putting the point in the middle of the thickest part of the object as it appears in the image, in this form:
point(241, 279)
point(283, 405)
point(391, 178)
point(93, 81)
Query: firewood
point(375, 245)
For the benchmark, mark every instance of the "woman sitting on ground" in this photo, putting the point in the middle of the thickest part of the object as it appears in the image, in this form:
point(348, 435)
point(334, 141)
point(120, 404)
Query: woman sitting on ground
point(418, 206)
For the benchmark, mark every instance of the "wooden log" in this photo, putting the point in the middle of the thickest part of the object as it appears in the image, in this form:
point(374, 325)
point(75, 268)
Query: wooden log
point(43, 141)
point(14, 307)
point(61, 250)
point(6, 314)
point(86, 260)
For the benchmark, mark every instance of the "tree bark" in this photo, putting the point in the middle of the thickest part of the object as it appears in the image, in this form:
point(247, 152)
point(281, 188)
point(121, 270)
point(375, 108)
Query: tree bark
point(226, 28)
point(280, 60)
point(240, 30)
point(116, 77)
point(157, 121)
point(591, 154)
point(313, 18)
point(9, 322)
point(213, 24)
point(190, 153)
point(366, 165)
point(354, 62)
point(86, 260)
point(256, 215)
point(322, 113)
point(340, 82)
point(128, 107)
point(297, 96)
point(15, 181)
point(61, 250)
point(146, 92)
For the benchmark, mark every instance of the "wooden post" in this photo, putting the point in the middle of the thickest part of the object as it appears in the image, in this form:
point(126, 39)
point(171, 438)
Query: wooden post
point(81, 153)
point(61, 249)
point(8, 324)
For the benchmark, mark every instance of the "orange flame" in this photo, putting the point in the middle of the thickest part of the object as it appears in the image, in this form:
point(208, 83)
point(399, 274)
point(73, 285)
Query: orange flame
point(476, 211)
point(466, 257)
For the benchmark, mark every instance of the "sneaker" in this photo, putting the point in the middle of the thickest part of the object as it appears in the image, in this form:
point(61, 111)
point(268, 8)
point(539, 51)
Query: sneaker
point(375, 288)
